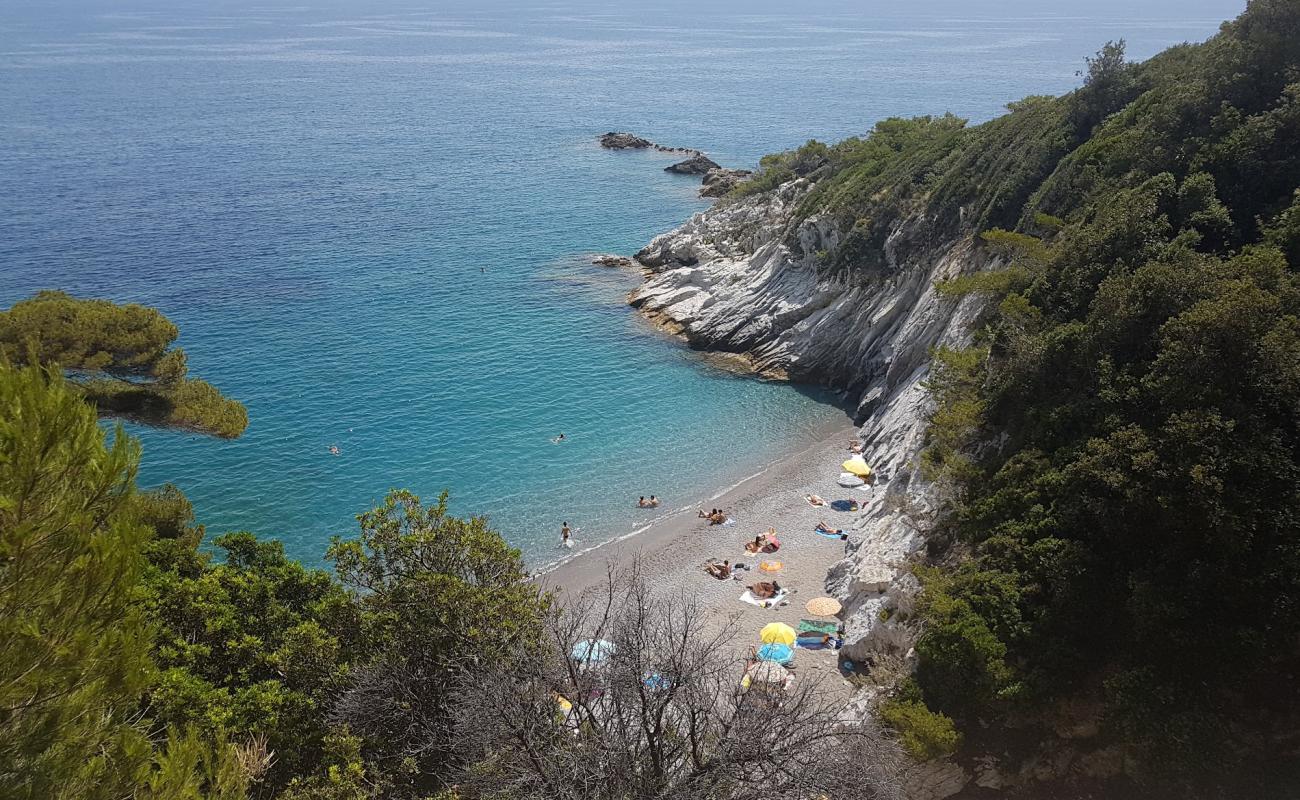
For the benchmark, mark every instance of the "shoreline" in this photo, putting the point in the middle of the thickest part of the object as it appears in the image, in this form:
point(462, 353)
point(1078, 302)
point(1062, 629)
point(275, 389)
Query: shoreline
point(672, 549)
point(671, 523)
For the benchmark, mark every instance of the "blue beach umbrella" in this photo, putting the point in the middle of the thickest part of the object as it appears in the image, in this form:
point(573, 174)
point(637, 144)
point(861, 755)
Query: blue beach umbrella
point(775, 651)
point(592, 651)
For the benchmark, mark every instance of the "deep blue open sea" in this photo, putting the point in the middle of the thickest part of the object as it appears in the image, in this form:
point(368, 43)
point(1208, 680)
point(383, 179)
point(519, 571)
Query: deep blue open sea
point(370, 220)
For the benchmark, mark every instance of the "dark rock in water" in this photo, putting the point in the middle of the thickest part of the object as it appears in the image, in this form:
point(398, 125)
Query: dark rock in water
point(613, 261)
point(718, 182)
point(624, 141)
point(698, 164)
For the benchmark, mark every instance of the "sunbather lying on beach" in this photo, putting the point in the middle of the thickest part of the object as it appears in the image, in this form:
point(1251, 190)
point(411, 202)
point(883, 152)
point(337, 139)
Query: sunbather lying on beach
point(822, 527)
point(720, 571)
point(855, 447)
point(765, 589)
point(814, 500)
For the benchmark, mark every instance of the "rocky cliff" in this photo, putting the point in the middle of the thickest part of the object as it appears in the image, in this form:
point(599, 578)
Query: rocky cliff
point(748, 277)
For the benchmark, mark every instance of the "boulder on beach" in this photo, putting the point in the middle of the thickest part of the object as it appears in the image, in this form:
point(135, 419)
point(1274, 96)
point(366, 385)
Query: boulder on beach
point(718, 182)
point(624, 141)
point(698, 164)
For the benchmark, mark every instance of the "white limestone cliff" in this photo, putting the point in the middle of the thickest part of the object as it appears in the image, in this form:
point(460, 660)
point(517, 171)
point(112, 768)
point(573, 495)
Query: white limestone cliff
point(747, 277)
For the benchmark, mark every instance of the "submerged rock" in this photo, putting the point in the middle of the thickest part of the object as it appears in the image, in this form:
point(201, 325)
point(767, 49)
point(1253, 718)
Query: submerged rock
point(624, 141)
point(720, 180)
point(698, 164)
point(612, 261)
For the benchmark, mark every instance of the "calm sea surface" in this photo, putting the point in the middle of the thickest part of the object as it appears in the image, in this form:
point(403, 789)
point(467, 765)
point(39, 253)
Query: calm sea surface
point(370, 219)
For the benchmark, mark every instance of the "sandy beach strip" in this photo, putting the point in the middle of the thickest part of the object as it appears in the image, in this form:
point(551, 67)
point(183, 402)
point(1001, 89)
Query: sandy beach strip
point(673, 548)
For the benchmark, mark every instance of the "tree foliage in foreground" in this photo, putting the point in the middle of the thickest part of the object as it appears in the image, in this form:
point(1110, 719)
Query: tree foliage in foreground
point(443, 598)
point(663, 716)
point(74, 643)
point(122, 359)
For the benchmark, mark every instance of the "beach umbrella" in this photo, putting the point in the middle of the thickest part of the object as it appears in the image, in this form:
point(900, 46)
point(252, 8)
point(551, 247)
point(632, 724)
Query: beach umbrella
point(592, 651)
point(776, 632)
point(775, 651)
point(767, 672)
point(823, 606)
point(771, 566)
point(858, 466)
point(849, 481)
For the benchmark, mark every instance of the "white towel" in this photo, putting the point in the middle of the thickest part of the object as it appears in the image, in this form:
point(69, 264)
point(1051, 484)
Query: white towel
point(771, 602)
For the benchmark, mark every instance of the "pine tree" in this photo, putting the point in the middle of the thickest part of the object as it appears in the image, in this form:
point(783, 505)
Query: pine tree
point(74, 643)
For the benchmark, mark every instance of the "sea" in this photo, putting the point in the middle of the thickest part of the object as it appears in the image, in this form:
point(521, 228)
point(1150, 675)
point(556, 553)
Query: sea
point(373, 222)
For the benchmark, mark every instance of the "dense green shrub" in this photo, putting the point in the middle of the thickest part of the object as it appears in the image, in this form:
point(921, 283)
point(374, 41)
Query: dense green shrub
point(923, 733)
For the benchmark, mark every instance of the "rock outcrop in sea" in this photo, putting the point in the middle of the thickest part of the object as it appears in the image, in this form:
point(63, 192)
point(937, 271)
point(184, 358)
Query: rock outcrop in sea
point(717, 180)
point(698, 164)
point(616, 140)
point(749, 277)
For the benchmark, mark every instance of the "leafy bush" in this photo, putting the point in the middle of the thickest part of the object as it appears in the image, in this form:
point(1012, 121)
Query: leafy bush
point(924, 734)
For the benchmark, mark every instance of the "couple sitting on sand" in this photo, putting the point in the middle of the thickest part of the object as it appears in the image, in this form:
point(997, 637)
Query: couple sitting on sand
point(764, 590)
point(720, 571)
point(653, 502)
point(764, 543)
point(716, 516)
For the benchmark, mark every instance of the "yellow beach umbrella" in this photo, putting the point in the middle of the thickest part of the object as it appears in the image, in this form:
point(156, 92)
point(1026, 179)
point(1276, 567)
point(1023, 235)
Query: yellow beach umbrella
point(823, 606)
point(777, 633)
point(857, 466)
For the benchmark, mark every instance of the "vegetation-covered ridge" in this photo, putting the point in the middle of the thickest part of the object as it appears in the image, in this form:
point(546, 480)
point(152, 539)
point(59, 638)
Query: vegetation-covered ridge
point(121, 358)
point(1120, 447)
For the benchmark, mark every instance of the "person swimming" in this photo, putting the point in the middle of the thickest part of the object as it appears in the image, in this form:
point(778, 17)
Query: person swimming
point(334, 450)
point(654, 501)
point(558, 439)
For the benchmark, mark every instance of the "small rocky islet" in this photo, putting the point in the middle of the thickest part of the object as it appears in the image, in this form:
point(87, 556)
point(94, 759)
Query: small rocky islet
point(716, 181)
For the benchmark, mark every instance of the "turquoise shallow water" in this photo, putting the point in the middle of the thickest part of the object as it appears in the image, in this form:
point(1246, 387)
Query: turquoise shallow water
point(370, 220)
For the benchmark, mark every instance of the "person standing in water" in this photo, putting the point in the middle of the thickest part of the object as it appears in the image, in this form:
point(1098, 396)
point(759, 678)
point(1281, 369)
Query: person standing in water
point(566, 536)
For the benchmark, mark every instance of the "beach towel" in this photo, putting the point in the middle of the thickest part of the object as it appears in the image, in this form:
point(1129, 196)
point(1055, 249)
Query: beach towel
point(815, 641)
point(817, 626)
point(829, 535)
point(771, 602)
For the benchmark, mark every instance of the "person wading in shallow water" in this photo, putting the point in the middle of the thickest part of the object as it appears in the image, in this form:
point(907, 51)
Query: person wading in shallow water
point(566, 536)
